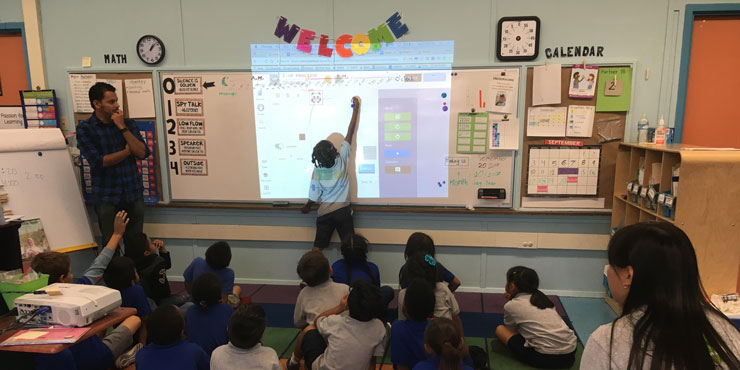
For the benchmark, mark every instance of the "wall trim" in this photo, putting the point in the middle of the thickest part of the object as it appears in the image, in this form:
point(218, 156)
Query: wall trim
point(451, 238)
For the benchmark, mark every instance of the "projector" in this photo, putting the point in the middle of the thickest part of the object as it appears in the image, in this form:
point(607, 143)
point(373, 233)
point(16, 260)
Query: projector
point(78, 304)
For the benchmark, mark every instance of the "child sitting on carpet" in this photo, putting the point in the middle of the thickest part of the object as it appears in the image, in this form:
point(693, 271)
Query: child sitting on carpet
point(407, 336)
point(355, 266)
point(218, 258)
point(445, 343)
point(338, 342)
point(445, 305)
point(167, 350)
point(533, 331)
point(121, 275)
point(152, 262)
point(207, 319)
point(420, 243)
point(244, 351)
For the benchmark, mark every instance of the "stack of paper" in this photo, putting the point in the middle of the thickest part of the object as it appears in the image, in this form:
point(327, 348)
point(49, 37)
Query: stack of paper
point(45, 336)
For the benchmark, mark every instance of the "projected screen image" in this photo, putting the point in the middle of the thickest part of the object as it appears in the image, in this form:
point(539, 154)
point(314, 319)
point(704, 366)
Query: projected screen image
point(400, 144)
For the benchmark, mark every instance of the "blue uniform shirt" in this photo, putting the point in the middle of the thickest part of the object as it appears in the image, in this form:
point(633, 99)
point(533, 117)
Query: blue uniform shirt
point(118, 183)
point(339, 273)
point(200, 266)
point(208, 329)
point(179, 356)
point(135, 297)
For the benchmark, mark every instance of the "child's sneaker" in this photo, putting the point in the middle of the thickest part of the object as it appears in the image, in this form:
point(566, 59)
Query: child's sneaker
point(129, 357)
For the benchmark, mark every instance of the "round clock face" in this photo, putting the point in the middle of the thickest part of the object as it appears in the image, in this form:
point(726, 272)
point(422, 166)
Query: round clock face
point(518, 38)
point(150, 49)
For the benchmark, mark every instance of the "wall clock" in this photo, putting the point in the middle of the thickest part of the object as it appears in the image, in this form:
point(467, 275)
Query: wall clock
point(518, 38)
point(150, 49)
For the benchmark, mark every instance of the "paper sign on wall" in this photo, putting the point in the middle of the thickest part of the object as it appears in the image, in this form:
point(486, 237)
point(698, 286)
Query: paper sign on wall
point(614, 103)
point(472, 133)
point(504, 133)
point(546, 84)
point(583, 82)
point(140, 98)
point(580, 120)
point(79, 85)
point(546, 121)
point(504, 90)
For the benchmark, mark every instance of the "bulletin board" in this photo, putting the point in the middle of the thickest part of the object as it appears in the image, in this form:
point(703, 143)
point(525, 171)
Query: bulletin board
point(150, 167)
point(611, 122)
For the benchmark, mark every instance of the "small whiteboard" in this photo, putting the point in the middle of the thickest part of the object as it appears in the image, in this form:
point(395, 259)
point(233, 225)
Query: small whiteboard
point(36, 171)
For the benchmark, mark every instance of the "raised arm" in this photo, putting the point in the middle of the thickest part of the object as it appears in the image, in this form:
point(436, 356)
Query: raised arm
point(356, 102)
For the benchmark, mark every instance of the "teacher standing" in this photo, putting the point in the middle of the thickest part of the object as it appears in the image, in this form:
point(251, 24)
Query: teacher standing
point(111, 144)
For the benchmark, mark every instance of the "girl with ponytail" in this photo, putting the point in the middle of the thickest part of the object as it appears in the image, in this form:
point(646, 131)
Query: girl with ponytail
point(355, 266)
point(207, 320)
point(533, 331)
point(446, 345)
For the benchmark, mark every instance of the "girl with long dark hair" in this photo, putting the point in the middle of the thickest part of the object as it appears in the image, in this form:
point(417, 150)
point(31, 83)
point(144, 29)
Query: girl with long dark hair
point(355, 266)
point(667, 321)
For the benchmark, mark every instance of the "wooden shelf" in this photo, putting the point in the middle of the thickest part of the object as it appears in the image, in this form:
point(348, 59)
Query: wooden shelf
point(709, 182)
point(643, 209)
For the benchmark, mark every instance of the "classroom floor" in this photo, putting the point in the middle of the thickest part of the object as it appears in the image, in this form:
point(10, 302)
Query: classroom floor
point(480, 314)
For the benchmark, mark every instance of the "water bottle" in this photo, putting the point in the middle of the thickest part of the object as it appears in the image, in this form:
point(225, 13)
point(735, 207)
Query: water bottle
point(642, 129)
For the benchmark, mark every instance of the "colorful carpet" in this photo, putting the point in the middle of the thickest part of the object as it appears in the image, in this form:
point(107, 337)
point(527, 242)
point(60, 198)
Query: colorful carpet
point(480, 314)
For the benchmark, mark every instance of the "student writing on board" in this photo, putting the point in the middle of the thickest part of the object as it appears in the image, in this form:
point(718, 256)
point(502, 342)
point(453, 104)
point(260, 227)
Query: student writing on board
point(111, 144)
point(330, 182)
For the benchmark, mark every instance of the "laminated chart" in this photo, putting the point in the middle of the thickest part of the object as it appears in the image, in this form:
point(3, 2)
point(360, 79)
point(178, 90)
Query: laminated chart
point(563, 171)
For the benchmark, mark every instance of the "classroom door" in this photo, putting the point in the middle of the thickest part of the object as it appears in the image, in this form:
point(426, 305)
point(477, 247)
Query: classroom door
point(13, 73)
point(711, 114)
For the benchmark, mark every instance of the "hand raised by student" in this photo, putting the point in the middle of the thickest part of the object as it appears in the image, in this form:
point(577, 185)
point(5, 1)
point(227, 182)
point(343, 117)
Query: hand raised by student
point(120, 222)
point(117, 118)
point(356, 102)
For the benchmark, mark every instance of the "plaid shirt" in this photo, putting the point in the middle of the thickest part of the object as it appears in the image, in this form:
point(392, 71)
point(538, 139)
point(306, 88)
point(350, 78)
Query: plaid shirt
point(118, 183)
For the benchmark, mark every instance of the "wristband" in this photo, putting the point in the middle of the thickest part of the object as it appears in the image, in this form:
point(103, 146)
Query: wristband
point(123, 129)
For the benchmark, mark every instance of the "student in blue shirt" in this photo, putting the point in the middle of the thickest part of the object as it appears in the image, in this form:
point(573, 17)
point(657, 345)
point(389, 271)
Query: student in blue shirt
point(407, 336)
point(167, 350)
point(330, 183)
point(111, 145)
point(355, 266)
point(443, 340)
point(207, 320)
point(121, 275)
point(218, 258)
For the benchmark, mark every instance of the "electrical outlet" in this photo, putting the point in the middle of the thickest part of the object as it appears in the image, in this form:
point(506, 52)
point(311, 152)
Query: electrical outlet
point(528, 245)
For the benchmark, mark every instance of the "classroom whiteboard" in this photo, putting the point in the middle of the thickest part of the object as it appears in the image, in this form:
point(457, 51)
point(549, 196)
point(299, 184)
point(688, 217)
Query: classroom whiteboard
point(36, 170)
point(215, 139)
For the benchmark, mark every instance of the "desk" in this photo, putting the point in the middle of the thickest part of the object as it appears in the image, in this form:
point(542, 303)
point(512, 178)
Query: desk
point(113, 318)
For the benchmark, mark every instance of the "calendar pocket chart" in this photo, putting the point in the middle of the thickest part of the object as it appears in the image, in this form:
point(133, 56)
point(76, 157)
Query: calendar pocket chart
point(563, 171)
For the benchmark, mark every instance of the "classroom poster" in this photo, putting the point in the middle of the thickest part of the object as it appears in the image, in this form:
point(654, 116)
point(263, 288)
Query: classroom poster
point(504, 89)
point(546, 121)
point(546, 84)
point(147, 168)
point(472, 133)
point(580, 120)
point(583, 81)
point(140, 98)
point(606, 102)
point(79, 86)
point(563, 171)
point(504, 133)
